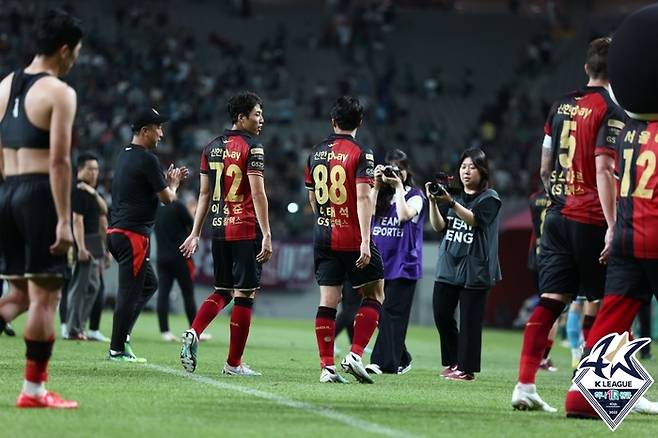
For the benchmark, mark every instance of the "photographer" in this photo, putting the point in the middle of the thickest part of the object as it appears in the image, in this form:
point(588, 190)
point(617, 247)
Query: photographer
point(398, 233)
point(468, 262)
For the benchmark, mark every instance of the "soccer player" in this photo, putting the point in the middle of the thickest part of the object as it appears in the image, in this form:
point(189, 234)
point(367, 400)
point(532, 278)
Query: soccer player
point(36, 120)
point(577, 171)
point(241, 237)
point(339, 176)
point(139, 184)
point(632, 274)
point(538, 204)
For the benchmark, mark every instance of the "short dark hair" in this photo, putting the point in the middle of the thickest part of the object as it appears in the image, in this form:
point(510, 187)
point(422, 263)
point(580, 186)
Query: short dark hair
point(56, 28)
point(347, 112)
point(83, 158)
point(243, 103)
point(481, 162)
point(597, 58)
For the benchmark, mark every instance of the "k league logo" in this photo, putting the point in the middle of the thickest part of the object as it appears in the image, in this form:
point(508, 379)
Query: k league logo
point(611, 379)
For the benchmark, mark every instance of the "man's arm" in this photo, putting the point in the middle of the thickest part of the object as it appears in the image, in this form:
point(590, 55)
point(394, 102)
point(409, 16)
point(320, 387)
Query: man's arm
point(364, 212)
point(605, 185)
point(173, 178)
point(102, 205)
point(312, 201)
point(190, 245)
point(79, 235)
point(545, 170)
point(257, 183)
point(59, 163)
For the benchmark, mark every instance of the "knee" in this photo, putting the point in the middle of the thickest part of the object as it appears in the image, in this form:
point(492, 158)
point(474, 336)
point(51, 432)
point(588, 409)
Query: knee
point(374, 291)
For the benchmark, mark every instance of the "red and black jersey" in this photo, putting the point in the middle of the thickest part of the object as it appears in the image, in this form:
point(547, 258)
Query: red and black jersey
point(636, 229)
point(538, 204)
point(582, 124)
point(333, 170)
point(228, 160)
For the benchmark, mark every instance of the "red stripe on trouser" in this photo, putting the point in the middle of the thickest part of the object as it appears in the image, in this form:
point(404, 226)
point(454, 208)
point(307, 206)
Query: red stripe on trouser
point(138, 243)
point(191, 268)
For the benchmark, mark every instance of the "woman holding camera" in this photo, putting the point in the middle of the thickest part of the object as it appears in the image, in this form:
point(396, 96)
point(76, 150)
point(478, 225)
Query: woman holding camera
point(398, 233)
point(468, 262)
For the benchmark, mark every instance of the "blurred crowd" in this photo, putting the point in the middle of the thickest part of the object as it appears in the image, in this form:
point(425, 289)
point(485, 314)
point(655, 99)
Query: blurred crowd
point(137, 56)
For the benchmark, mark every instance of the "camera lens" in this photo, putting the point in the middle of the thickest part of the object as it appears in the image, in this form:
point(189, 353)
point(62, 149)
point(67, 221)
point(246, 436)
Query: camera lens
point(388, 171)
point(435, 189)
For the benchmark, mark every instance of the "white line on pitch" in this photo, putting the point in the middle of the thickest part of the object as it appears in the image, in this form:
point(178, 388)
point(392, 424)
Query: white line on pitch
point(283, 401)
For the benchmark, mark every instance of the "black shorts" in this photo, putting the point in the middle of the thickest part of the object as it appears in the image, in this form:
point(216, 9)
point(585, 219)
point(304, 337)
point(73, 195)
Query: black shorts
point(235, 264)
point(569, 258)
point(331, 267)
point(27, 229)
point(632, 277)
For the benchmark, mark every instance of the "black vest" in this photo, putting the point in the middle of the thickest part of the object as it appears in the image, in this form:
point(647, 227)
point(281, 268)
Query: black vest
point(468, 256)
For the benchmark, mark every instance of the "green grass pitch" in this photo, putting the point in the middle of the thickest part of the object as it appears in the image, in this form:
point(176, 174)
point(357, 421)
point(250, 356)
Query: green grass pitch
point(159, 400)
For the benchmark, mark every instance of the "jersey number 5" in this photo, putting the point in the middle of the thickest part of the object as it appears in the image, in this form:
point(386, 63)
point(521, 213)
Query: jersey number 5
point(568, 142)
point(336, 192)
point(233, 170)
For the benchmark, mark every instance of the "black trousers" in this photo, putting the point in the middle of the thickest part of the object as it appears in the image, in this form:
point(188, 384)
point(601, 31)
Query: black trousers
point(63, 301)
point(348, 307)
point(463, 346)
point(390, 351)
point(135, 289)
point(168, 271)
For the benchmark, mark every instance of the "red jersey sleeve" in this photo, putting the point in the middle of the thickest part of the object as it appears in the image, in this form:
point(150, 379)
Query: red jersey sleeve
point(548, 125)
point(203, 167)
point(308, 181)
point(365, 172)
point(609, 129)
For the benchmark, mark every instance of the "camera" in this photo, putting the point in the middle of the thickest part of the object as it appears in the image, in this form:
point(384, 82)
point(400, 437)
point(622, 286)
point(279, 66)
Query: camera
point(441, 184)
point(390, 171)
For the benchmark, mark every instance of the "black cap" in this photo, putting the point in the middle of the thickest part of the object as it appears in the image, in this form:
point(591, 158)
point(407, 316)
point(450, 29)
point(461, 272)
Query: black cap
point(147, 116)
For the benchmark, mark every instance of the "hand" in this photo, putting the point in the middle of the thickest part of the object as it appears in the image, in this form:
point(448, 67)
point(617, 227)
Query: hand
point(379, 172)
point(189, 247)
point(266, 250)
point(83, 255)
point(394, 181)
point(172, 175)
point(63, 238)
point(605, 254)
point(86, 187)
point(107, 260)
point(364, 257)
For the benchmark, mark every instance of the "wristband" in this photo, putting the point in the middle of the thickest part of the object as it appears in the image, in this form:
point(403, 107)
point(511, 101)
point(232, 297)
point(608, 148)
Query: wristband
point(452, 203)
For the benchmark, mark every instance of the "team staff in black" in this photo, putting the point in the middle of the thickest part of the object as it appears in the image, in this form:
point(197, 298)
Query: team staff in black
point(467, 266)
point(173, 223)
point(139, 183)
point(87, 206)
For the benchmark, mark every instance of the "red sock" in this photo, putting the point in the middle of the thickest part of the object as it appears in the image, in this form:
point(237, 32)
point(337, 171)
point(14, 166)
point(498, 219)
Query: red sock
point(547, 351)
point(365, 323)
point(240, 323)
point(325, 334)
point(615, 316)
point(37, 354)
point(588, 323)
point(535, 337)
point(209, 309)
